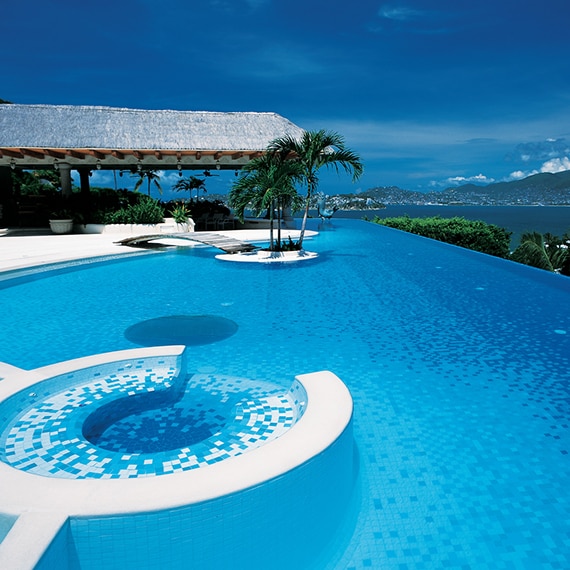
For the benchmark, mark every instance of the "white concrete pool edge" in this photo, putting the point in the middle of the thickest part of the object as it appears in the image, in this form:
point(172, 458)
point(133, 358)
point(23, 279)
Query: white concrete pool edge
point(53, 501)
point(20, 252)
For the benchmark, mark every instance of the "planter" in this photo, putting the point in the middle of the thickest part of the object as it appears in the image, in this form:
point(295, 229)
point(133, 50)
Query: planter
point(264, 256)
point(61, 226)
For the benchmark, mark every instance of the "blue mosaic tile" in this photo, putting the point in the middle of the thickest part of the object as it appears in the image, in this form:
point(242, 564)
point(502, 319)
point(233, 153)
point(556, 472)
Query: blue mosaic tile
point(124, 424)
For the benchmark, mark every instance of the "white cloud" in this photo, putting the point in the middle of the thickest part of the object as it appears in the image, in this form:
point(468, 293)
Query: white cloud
point(552, 166)
point(556, 165)
point(460, 180)
point(481, 178)
point(518, 175)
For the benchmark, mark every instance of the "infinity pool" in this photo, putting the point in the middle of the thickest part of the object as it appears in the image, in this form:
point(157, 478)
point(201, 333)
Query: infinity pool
point(457, 364)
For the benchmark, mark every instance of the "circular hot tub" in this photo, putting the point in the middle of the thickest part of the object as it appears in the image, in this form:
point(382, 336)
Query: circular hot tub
point(141, 418)
point(129, 460)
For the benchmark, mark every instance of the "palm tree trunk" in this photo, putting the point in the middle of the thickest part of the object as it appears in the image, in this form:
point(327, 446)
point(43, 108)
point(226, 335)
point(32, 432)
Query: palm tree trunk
point(271, 208)
point(306, 214)
point(279, 216)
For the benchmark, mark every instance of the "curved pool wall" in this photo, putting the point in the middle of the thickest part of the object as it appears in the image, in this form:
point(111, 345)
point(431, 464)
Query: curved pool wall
point(280, 500)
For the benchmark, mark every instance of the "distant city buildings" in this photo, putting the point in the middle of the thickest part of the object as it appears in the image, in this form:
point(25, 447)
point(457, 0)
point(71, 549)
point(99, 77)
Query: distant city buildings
point(537, 190)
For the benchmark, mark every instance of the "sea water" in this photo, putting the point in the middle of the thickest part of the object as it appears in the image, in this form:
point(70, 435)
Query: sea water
point(457, 363)
point(515, 219)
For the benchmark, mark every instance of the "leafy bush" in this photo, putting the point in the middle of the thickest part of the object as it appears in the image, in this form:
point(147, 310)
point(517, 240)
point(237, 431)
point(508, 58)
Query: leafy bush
point(289, 245)
point(475, 235)
point(180, 213)
point(146, 211)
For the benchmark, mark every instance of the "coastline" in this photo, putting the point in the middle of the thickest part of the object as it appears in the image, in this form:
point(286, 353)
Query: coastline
point(516, 219)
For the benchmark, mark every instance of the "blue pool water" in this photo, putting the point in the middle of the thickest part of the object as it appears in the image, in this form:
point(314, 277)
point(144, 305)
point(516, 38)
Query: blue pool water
point(457, 363)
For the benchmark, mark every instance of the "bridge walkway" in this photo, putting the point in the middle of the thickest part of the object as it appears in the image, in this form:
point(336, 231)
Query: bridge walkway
point(225, 243)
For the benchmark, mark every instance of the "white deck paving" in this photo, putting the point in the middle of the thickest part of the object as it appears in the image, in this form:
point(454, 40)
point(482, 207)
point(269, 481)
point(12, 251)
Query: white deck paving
point(21, 251)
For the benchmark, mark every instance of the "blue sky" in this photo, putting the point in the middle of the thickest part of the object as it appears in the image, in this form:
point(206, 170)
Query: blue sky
point(430, 93)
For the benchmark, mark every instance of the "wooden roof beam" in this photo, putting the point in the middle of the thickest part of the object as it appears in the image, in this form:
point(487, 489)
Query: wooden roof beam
point(75, 154)
point(118, 154)
point(55, 153)
point(96, 154)
point(32, 153)
point(11, 153)
point(138, 154)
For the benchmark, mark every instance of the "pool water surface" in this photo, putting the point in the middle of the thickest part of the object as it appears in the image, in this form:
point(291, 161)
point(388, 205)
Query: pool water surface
point(457, 364)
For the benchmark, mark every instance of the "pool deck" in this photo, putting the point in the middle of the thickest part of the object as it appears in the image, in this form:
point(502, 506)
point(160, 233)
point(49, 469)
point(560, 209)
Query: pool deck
point(27, 249)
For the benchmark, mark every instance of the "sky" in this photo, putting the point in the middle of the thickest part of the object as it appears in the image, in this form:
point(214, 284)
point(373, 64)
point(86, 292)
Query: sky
point(429, 93)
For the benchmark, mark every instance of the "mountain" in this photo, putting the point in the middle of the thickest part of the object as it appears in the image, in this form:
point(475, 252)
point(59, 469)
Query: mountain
point(539, 189)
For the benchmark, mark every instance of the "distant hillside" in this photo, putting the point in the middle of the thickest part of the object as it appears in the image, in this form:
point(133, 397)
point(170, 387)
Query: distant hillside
point(545, 188)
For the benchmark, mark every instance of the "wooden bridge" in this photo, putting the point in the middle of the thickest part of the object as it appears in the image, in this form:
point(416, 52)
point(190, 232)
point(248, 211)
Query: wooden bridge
point(227, 244)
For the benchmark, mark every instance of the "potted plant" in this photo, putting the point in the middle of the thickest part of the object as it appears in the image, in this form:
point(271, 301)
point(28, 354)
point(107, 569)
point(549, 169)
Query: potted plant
point(181, 215)
point(61, 222)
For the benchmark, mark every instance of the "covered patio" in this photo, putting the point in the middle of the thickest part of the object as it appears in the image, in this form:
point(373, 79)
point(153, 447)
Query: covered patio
point(86, 138)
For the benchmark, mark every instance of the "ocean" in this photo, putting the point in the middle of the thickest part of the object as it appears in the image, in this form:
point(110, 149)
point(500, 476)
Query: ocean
point(516, 219)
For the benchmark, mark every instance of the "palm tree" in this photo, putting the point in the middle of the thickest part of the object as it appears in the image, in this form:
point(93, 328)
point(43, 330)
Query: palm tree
point(266, 183)
point(312, 151)
point(543, 251)
point(151, 176)
point(189, 184)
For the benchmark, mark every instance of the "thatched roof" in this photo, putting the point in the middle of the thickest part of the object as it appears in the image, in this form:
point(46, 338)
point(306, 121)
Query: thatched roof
point(39, 135)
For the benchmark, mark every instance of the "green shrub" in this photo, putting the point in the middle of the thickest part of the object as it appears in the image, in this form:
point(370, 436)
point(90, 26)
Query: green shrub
point(180, 213)
point(146, 211)
point(289, 245)
point(475, 235)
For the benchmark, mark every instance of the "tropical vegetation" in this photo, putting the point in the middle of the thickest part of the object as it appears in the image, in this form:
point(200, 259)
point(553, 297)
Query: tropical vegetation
point(267, 184)
point(475, 235)
point(145, 211)
point(546, 251)
point(152, 177)
point(190, 184)
point(314, 150)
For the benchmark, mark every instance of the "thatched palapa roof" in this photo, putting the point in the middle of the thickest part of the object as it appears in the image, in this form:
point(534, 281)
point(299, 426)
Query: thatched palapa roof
point(39, 136)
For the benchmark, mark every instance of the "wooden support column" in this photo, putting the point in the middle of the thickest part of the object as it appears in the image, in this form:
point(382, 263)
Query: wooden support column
point(65, 177)
point(84, 181)
point(85, 191)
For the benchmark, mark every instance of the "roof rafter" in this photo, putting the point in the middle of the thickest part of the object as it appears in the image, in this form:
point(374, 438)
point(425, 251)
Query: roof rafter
point(31, 152)
point(11, 153)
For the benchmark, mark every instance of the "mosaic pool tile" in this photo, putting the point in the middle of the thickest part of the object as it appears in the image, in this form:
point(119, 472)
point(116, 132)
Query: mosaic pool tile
point(139, 422)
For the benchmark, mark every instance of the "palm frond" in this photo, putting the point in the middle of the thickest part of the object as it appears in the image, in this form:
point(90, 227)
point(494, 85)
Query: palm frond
point(313, 150)
point(531, 251)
